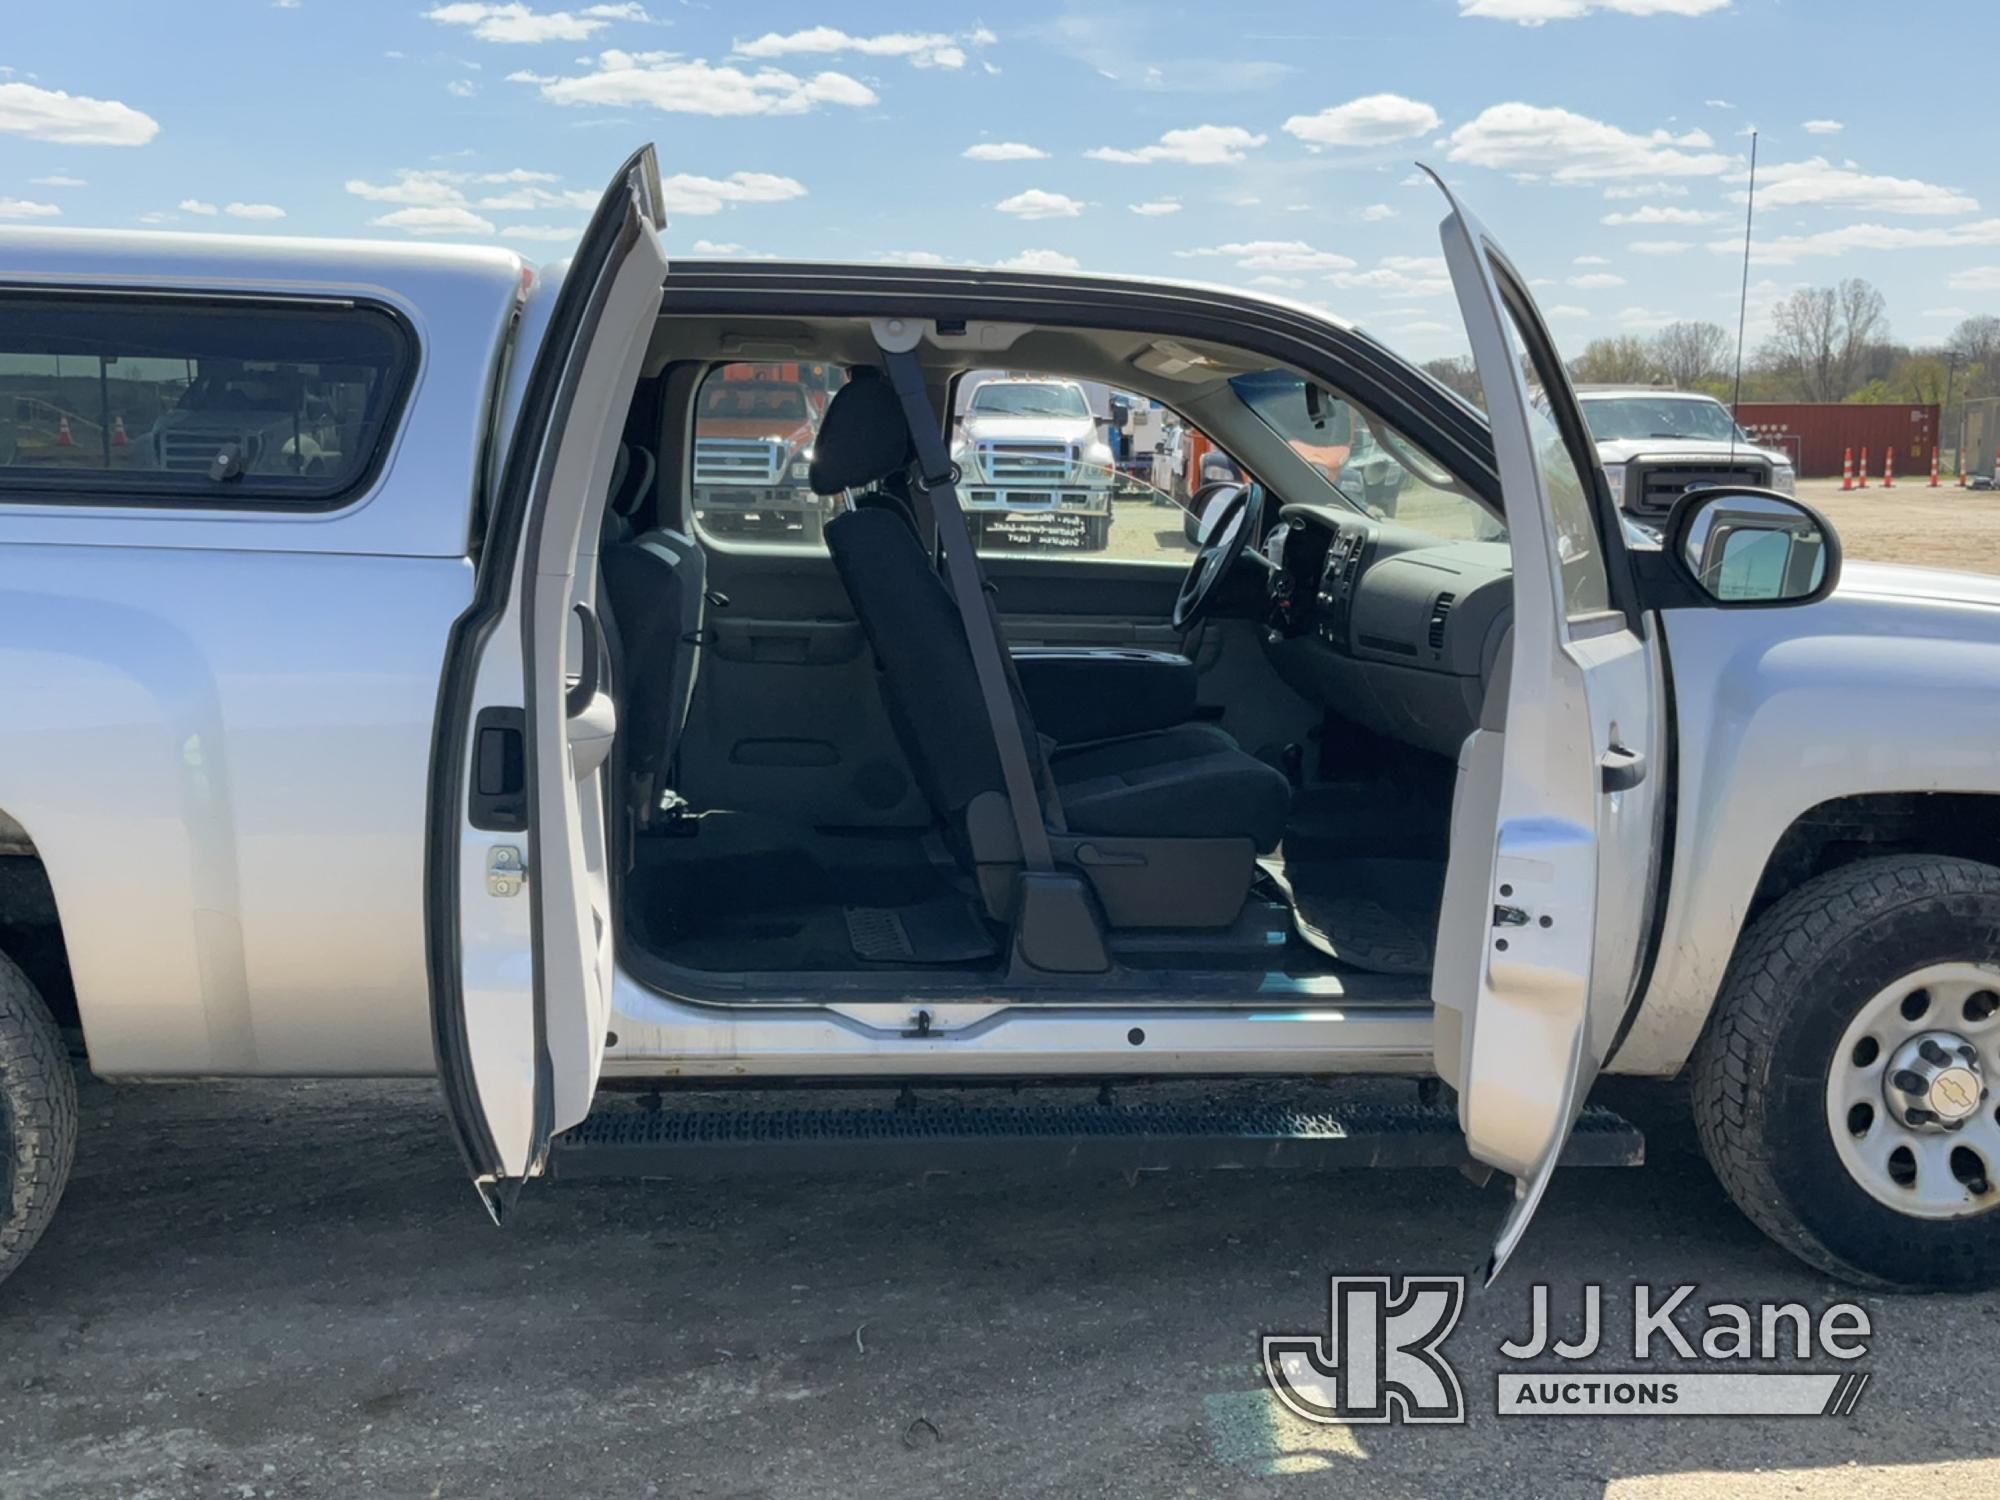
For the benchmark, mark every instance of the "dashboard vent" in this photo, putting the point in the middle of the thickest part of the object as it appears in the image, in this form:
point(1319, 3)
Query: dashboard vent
point(1440, 612)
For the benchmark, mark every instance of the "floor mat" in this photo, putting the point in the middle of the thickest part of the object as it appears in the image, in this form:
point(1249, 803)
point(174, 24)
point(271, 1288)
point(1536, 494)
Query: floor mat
point(1375, 914)
point(943, 930)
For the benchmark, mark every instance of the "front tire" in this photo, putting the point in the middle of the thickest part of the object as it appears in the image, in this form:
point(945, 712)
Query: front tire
point(1843, 1087)
point(37, 1117)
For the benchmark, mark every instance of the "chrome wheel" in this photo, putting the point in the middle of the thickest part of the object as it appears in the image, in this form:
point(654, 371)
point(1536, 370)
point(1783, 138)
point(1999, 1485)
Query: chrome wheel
point(1909, 1096)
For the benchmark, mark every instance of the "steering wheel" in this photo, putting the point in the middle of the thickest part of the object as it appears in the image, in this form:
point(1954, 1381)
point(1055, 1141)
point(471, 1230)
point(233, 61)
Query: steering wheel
point(1225, 527)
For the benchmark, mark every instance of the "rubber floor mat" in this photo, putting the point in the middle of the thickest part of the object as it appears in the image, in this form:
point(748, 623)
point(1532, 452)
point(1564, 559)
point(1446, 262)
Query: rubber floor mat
point(1375, 914)
point(943, 930)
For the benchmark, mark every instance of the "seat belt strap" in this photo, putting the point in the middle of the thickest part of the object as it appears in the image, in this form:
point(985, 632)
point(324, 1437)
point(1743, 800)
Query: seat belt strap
point(968, 593)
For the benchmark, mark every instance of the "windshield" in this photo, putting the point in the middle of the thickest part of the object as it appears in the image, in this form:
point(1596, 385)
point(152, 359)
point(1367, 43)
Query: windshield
point(1021, 399)
point(753, 400)
point(1368, 464)
point(1614, 418)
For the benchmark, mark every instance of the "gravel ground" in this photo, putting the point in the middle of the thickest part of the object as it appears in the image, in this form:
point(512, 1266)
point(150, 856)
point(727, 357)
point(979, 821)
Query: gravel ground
point(288, 1289)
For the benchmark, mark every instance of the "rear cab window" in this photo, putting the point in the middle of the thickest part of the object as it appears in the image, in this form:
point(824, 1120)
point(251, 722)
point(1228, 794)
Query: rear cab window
point(754, 426)
point(122, 400)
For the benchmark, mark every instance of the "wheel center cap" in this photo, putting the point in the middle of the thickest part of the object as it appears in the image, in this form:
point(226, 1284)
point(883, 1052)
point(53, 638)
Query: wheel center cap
point(1934, 1081)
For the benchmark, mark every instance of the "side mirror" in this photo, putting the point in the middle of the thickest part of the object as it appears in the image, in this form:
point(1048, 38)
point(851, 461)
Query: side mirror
point(1750, 548)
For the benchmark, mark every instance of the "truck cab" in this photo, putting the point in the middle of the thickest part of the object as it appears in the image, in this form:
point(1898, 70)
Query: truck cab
point(549, 784)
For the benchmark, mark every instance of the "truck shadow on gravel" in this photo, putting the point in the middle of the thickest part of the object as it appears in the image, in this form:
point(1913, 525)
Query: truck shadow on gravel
point(289, 1289)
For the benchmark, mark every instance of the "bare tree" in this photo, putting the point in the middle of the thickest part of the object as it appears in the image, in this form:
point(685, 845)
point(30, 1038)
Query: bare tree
point(1976, 341)
point(1624, 360)
point(1687, 352)
point(1459, 374)
point(1864, 323)
point(1805, 341)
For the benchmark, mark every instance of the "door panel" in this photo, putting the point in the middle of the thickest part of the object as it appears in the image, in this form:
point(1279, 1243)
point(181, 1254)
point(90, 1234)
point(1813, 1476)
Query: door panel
point(1550, 869)
point(521, 1017)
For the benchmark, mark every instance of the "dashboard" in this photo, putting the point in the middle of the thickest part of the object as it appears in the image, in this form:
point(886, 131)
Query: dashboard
point(1385, 625)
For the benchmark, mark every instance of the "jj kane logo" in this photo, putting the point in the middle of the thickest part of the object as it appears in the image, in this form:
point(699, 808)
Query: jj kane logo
point(1382, 1357)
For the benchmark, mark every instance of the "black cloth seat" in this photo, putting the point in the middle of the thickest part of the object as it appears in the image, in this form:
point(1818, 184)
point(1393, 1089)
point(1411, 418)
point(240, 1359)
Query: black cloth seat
point(1192, 781)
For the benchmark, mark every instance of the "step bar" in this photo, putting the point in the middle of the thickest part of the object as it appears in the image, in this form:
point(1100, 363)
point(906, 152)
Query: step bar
point(632, 1142)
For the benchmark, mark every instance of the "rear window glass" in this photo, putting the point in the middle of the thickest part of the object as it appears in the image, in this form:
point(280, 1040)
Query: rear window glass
point(132, 400)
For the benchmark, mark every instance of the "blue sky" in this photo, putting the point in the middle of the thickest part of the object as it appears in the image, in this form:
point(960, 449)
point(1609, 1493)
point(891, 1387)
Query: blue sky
point(1256, 142)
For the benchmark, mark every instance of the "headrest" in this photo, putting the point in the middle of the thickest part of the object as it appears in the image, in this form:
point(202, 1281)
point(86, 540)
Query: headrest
point(863, 436)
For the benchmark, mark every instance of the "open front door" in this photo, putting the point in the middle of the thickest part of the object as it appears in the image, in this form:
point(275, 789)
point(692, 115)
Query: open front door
point(1555, 821)
point(520, 911)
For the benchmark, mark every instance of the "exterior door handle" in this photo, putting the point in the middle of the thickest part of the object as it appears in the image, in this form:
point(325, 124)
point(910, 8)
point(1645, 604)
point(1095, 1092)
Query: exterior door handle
point(1620, 770)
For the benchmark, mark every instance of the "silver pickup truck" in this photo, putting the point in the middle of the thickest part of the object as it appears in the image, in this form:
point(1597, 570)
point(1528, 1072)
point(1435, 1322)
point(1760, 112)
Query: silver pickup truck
point(468, 752)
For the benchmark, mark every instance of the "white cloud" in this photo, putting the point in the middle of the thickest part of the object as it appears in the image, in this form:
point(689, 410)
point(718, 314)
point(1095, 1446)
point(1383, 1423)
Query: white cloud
point(1643, 319)
point(1156, 207)
point(1654, 213)
point(516, 23)
point(1198, 146)
point(1037, 204)
point(1278, 283)
point(1591, 281)
point(1575, 148)
point(435, 219)
point(1590, 260)
point(1784, 250)
point(196, 206)
point(1718, 104)
point(1375, 213)
point(716, 247)
point(1943, 312)
point(923, 49)
point(253, 211)
point(1822, 127)
point(687, 193)
point(517, 174)
point(1003, 151)
point(910, 258)
point(1039, 260)
point(1975, 279)
point(689, 86)
point(59, 180)
point(1404, 277)
point(544, 232)
point(72, 119)
point(461, 88)
point(1660, 247)
point(1568, 310)
point(1818, 183)
point(1647, 190)
point(1274, 255)
point(22, 208)
point(413, 187)
point(1539, 12)
point(1374, 120)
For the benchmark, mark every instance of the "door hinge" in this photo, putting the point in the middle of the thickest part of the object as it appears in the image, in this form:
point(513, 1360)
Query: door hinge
point(506, 873)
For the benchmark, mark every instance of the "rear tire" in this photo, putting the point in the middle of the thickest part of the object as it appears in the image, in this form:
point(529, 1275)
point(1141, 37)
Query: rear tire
point(1827, 989)
point(37, 1116)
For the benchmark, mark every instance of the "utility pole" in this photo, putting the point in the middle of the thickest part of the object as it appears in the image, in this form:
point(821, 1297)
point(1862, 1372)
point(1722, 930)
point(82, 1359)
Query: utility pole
point(1950, 374)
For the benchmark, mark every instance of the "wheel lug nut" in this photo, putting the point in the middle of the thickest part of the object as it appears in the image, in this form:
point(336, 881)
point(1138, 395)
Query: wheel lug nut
point(1917, 1116)
point(1934, 1054)
point(1909, 1081)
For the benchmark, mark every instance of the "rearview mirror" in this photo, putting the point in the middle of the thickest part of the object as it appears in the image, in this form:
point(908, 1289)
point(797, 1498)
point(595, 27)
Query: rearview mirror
point(1744, 548)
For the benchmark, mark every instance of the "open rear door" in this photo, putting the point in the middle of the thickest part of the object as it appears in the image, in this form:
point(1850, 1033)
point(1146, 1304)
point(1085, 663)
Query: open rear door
point(1555, 821)
point(520, 913)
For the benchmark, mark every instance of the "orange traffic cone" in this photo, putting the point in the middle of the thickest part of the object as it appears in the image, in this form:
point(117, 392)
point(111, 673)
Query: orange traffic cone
point(1888, 468)
point(118, 438)
point(1862, 484)
point(1847, 469)
point(1934, 466)
point(63, 438)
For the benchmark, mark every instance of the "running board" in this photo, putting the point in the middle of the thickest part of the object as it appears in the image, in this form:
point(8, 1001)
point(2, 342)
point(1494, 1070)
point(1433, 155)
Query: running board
point(626, 1142)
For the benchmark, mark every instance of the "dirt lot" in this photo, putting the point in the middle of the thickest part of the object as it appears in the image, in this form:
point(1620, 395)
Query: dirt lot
point(288, 1290)
point(1912, 523)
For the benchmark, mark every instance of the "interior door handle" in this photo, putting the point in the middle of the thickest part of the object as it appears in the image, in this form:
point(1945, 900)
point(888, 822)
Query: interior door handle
point(591, 670)
point(1620, 770)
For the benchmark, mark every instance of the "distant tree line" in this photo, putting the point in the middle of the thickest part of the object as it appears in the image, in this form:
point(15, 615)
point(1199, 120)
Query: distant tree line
point(1827, 343)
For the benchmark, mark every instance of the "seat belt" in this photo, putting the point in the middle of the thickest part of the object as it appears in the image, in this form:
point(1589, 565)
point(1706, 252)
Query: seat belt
point(938, 480)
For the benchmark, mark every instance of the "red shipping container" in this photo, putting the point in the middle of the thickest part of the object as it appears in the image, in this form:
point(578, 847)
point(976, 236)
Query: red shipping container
point(1817, 433)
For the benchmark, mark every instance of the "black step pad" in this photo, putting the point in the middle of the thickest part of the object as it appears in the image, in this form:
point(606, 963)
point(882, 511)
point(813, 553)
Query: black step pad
point(622, 1141)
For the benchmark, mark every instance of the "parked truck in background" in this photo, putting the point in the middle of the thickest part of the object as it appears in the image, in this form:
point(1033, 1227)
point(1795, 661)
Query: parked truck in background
point(752, 449)
point(1038, 466)
point(1657, 444)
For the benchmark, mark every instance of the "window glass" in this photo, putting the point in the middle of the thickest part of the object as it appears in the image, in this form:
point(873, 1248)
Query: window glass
point(1586, 582)
point(1366, 463)
point(1057, 467)
point(754, 426)
point(125, 400)
point(1619, 418)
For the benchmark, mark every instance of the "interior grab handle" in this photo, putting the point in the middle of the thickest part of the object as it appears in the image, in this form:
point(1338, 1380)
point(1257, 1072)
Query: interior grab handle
point(591, 670)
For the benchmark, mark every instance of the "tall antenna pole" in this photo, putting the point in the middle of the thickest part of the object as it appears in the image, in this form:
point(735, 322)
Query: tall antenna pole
point(1743, 300)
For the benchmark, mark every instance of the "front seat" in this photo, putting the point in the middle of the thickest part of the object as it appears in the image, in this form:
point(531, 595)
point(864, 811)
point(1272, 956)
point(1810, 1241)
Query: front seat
point(1191, 783)
point(656, 585)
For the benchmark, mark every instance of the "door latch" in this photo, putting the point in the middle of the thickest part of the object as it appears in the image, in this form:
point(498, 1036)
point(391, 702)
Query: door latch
point(506, 873)
point(1509, 916)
